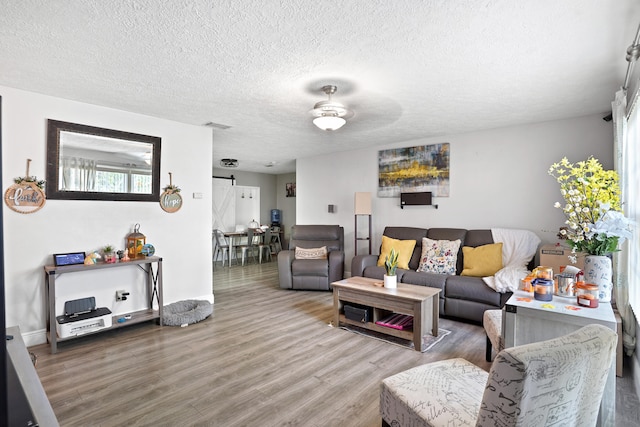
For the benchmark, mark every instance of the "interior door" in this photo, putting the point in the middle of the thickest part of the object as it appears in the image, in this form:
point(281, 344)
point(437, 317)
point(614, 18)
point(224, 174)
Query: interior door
point(224, 204)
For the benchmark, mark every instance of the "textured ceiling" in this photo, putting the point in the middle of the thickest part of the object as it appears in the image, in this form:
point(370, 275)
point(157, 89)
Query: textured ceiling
point(407, 68)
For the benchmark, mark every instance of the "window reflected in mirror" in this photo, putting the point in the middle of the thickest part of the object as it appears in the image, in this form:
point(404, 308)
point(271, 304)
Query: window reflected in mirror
point(93, 163)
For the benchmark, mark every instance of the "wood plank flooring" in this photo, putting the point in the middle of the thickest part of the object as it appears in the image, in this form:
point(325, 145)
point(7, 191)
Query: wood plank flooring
point(266, 357)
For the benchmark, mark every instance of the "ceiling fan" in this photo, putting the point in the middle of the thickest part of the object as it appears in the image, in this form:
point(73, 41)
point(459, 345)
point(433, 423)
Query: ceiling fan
point(329, 115)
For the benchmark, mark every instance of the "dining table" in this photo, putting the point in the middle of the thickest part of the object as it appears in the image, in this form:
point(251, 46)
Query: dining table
point(236, 236)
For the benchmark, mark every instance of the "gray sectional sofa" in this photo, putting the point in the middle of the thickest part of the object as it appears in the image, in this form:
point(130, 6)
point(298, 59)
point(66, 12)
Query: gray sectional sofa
point(461, 297)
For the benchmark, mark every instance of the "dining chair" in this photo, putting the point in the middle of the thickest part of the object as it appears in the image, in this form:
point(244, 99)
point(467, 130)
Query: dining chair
point(265, 245)
point(250, 247)
point(221, 246)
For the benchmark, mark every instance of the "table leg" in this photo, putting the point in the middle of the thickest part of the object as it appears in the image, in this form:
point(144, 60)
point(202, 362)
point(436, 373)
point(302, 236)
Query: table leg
point(231, 251)
point(419, 325)
point(336, 308)
point(159, 292)
point(435, 315)
point(51, 312)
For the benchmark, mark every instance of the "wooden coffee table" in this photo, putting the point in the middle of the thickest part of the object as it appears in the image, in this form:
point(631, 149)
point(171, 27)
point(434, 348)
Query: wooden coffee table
point(421, 302)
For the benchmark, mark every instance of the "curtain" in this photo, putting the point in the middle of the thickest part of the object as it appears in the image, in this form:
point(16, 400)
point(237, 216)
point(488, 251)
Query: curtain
point(623, 268)
point(78, 174)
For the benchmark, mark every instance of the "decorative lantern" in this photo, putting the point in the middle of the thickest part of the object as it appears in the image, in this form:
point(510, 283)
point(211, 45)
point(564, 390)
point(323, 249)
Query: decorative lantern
point(135, 242)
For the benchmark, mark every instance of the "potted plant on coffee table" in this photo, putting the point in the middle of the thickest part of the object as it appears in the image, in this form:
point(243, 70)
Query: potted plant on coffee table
point(391, 265)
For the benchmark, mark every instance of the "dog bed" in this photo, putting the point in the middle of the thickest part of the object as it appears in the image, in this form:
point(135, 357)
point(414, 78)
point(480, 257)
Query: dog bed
point(186, 312)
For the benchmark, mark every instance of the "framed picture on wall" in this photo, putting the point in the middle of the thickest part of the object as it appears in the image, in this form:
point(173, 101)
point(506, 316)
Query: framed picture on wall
point(414, 169)
point(291, 189)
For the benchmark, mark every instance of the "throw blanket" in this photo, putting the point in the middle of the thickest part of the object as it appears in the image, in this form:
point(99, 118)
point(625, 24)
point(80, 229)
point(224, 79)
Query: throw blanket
point(518, 248)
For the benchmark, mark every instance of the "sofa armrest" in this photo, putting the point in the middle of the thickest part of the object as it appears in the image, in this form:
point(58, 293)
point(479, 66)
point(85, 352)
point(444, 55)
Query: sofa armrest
point(360, 262)
point(336, 266)
point(285, 260)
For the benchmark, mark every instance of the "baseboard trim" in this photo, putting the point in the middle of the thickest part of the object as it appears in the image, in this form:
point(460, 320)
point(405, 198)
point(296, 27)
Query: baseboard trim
point(34, 337)
point(209, 297)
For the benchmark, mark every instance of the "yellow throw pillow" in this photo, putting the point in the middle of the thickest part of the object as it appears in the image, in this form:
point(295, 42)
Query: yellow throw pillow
point(482, 261)
point(403, 247)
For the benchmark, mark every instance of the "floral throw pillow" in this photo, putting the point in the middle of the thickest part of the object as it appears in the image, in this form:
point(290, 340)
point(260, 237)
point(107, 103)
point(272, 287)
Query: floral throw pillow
point(439, 256)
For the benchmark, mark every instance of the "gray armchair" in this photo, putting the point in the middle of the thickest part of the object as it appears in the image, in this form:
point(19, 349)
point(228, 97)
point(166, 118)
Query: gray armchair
point(312, 274)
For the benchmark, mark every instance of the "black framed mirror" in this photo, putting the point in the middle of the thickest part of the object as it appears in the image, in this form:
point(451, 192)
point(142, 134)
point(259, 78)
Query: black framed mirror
point(91, 163)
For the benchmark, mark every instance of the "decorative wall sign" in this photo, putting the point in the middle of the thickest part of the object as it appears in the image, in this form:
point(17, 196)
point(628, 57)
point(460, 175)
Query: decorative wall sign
point(414, 169)
point(170, 199)
point(25, 195)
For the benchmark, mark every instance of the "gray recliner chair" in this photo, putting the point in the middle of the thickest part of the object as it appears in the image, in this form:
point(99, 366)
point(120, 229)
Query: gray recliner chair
point(312, 274)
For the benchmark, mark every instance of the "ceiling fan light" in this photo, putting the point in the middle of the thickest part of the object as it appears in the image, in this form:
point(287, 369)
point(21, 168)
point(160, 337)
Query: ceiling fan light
point(329, 115)
point(329, 122)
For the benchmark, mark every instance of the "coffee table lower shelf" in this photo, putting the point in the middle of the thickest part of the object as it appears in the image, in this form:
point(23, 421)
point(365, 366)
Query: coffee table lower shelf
point(406, 334)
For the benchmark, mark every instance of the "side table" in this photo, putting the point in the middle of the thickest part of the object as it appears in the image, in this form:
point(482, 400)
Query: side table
point(526, 320)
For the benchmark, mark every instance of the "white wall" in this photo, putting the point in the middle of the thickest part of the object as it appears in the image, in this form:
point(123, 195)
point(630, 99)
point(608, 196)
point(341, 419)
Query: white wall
point(498, 179)
point(182, 239)
point(247, 207)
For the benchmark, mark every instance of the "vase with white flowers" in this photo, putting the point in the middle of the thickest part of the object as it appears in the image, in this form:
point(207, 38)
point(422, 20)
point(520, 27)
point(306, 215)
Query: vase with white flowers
point(594, 222)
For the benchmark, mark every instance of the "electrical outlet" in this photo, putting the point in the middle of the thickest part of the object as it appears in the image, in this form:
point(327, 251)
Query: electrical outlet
point(121, 295)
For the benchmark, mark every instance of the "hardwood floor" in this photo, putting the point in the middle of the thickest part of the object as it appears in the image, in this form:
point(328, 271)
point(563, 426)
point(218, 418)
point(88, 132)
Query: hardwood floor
point(266, 357)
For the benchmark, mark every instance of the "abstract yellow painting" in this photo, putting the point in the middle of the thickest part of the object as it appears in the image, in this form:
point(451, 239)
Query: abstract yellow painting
point(414, 169)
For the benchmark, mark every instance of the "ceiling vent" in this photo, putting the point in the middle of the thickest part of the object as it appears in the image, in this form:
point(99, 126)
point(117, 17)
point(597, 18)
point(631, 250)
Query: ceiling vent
point(229, 163)
point(217, 125)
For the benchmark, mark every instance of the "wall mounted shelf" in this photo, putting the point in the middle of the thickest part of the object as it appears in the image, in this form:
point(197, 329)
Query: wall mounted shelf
point(416, 199)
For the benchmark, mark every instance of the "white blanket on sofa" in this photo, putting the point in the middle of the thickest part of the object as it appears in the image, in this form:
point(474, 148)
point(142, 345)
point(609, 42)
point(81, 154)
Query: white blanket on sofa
point(518, 248)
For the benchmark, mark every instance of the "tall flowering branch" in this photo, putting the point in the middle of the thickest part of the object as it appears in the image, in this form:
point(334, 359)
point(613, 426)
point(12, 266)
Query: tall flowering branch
point(594, 221)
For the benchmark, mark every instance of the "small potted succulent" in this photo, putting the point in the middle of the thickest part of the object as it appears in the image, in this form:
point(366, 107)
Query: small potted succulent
point(108, 251)
point(391, 265)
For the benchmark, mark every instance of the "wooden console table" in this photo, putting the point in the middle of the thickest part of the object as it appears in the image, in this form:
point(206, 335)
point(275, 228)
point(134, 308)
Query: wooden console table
point(154, 291)
point(421, 302)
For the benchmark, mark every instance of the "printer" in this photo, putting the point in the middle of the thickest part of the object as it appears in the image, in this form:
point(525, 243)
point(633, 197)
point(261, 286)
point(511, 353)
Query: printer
point(82, 317)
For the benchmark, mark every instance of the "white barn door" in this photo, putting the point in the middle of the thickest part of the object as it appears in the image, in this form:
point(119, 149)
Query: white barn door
point(224, 204)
